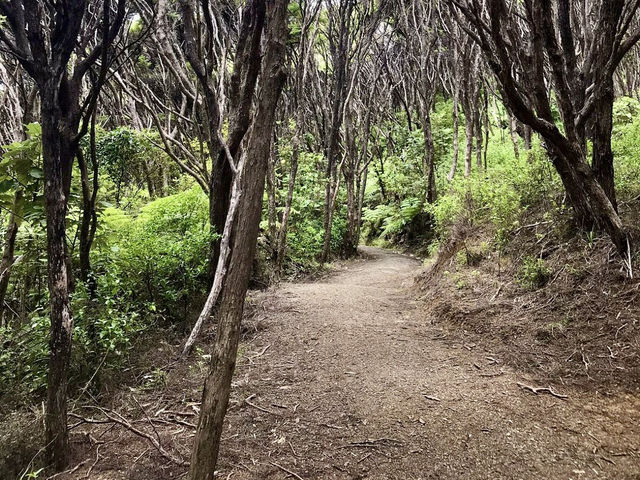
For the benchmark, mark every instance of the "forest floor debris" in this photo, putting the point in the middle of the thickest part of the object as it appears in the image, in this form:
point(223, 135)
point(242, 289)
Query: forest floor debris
point(364, 319)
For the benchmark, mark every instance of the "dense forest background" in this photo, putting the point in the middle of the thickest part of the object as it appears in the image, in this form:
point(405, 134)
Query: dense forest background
point(497, 140)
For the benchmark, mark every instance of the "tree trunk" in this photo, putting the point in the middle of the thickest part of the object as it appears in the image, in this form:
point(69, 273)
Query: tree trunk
point(428, 163)
point(340, 60)
point(456, 147)
point(58, 153)
point(527, 137)
point(350, 241)
point(602, 151)
point(590, 203)
point(514, 136)
point(89, 220)
point(148, 180)
point(218, 383)
point(479, 138)
point(8, 251)
point(293, 172)
point(272, 201)
point(361, 193)
point(468, 134)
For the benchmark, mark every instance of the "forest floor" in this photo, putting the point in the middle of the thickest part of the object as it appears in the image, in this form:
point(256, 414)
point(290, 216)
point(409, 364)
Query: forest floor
point(346, 378)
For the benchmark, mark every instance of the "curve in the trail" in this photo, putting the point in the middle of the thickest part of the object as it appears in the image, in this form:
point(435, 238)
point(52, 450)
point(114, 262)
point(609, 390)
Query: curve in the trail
point(382, 394)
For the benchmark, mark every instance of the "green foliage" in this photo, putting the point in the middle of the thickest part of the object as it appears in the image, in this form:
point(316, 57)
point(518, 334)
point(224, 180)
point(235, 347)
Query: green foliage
point(534, 273)
point(159, 258)
point(626, 145)
point(149, 267)
point(306, 231)
point(500, 195)
point(131, 160)
point(21, 169)
point(391, 220)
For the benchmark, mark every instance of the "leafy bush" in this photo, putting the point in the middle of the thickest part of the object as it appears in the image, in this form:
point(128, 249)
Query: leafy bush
point(159, 258)
point(148, 267)
point(534, 273)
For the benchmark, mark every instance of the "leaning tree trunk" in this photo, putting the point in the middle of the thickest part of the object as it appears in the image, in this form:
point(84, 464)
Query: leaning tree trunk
point(218, 383)
point(58, 153)
point(588, 199)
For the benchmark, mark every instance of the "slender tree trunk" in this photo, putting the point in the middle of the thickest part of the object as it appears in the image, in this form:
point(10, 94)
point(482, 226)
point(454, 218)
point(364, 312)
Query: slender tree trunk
point(456, 147)
point(468, 134)
point(89, 220)
point(8, 251)
point(514, 136)
point(527, 137)
point(479, 138)
point(349, 241)
point(333, 150)
point(428, 162)
point(148, 180)
point(293, 172)
point(218, 383)
point(361, 193)
point(58, 154)
point(272, 201)
point(219, 194)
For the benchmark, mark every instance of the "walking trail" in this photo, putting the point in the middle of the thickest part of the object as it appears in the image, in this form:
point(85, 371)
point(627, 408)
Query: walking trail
point(346, 379)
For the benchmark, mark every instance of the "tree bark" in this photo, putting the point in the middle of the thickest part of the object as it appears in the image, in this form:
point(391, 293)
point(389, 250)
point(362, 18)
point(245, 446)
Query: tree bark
point(428, 163)
point(514, 136)
point(58, 152)
point(468, 135)
point(456, 146)
point(89, 220)
point(218, 382)
point(8, 251)
point(602, 160)
point(340, 61)
point(349, 241)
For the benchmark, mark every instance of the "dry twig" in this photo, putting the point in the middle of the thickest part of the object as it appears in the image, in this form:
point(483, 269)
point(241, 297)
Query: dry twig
point(286, 470)
point(538, 390)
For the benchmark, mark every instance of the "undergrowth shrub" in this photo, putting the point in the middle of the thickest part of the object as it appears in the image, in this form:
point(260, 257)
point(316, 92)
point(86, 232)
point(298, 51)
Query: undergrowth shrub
point(150, 268)
point(533, 273)
point(497, 197)
point(158, 259)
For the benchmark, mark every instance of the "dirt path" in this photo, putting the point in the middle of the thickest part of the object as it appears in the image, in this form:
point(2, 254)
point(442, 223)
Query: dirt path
point(347, 380)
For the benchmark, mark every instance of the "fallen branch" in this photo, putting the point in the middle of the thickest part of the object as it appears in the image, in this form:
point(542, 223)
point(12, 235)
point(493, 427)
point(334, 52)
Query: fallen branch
point(258, 407)
point(286, 470)
point(67, 472)
point(116, 418)
point(538, 390)
point(87, 475)
point(429, 397)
